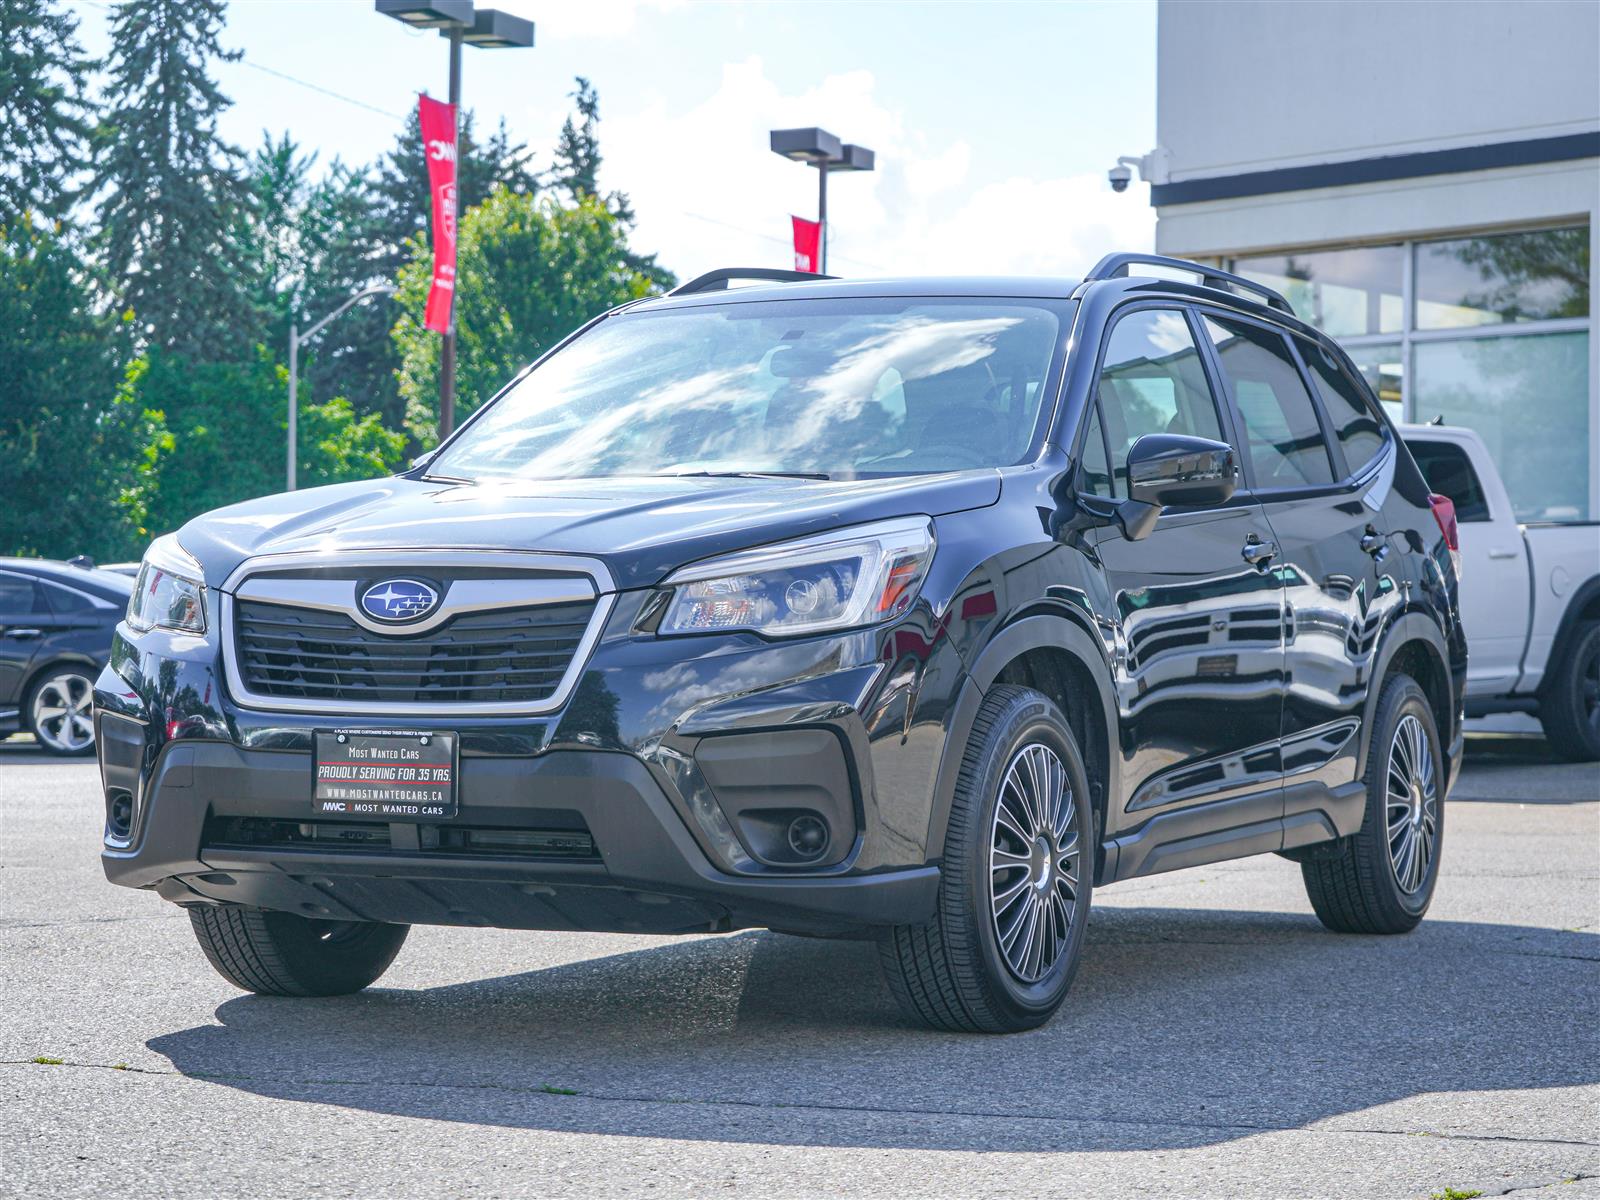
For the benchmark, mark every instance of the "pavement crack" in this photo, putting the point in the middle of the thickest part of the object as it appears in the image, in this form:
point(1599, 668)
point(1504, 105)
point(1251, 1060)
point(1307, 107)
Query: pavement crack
point(1242, 1128)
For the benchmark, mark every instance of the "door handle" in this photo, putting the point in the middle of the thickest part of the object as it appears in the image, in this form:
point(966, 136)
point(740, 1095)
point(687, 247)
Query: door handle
point(1259, 554)
point(23, 635)
point(1502, 554)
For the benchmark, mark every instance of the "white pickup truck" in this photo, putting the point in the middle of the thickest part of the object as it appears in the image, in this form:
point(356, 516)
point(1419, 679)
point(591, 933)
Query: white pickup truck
point(1530, 597)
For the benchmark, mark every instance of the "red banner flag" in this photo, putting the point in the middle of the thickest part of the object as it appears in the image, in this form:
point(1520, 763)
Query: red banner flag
point(807, 245)
point(439, 144)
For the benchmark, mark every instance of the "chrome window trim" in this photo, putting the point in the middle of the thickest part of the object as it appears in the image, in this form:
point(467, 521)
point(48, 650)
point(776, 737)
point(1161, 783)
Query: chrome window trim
point(590, 571)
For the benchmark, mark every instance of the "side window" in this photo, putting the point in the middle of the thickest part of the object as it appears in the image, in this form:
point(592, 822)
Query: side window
point(1094, 472)
point(65, 600)
point(19, 596)
point(1280, 421)
point(1449, 472)
point(1358, 429)
point(1151, 381)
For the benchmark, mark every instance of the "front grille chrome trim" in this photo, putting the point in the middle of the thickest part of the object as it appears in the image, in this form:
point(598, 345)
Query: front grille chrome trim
point(590, 576)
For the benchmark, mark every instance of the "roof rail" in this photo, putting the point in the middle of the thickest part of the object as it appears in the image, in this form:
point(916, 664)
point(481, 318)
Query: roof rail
point(716, 281)
point(1113, 265)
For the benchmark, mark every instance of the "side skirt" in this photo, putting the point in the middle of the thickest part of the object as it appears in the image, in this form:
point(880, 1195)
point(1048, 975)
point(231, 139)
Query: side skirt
point(1301, 814)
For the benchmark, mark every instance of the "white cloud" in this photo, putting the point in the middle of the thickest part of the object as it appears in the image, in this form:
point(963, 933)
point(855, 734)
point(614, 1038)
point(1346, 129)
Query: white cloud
point(709, 193)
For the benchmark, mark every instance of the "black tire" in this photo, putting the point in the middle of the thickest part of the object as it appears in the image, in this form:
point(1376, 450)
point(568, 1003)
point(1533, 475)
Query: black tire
point(953, 972)
point(280, 954)
point(1569, 708)
point(73, 685)
point(1355, 884)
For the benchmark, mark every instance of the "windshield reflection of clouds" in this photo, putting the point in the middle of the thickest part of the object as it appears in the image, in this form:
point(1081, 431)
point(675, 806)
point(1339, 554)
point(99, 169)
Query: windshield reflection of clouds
point(938, 387)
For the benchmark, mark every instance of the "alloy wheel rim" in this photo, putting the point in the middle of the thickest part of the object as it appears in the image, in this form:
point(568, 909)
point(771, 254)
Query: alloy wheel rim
point(1412, 807)
point(1034, 863)
point(63, 712)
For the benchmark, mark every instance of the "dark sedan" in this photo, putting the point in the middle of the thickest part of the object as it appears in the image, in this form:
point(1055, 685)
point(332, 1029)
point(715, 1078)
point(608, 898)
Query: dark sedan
point(56, 623)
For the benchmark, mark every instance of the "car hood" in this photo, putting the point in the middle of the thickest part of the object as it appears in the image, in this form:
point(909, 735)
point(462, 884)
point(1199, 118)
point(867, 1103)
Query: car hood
point(641, 528)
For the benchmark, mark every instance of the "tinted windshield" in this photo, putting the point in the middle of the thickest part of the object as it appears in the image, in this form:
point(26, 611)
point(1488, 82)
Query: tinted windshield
point(842, 388)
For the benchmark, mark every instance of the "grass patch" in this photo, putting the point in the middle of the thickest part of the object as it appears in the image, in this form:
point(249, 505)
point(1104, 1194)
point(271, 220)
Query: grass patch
point(45, 1060)
point(1451, 1193)
point(552, 1090)
point(119, 1066)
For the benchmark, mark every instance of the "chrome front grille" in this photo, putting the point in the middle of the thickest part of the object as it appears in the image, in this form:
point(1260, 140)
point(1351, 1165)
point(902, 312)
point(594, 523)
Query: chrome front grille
point(510, 635)
point(516, 655)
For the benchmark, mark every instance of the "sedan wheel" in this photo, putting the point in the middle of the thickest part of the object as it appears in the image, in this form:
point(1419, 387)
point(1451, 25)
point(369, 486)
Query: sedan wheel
point(61, 713)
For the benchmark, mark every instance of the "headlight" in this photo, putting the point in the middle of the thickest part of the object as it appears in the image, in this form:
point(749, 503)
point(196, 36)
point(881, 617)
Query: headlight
point(169, 593)
point(836, 581)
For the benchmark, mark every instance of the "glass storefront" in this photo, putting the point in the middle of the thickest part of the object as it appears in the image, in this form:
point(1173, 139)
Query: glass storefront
point(1491, 332)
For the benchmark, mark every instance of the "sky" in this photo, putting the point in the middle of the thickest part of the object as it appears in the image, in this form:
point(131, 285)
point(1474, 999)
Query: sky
point(994, 123)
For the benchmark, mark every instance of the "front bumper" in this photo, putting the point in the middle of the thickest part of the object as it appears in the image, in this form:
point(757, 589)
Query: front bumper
point(647, 875)
point(666, 761)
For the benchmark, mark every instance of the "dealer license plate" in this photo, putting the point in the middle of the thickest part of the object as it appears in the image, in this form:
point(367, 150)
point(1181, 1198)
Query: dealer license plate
point(384, 775)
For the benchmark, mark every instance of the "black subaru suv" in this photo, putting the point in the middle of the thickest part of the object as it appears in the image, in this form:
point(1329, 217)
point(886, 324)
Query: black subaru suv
point(906, 610)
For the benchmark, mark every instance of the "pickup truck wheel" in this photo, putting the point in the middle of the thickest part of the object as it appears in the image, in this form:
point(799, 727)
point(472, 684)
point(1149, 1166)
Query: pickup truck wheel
point(280, 954)
point(1001, 951)
point(1381, 879)
point(1570, 707)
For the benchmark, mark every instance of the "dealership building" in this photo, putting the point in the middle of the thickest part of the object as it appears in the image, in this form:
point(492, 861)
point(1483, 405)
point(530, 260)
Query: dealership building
point(1422, 180)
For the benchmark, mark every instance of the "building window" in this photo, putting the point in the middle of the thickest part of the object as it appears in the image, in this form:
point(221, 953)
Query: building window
point(1490, 331)
point(1344, 292)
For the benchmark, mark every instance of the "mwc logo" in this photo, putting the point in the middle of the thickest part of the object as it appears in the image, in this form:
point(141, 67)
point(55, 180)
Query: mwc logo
point(440, 150)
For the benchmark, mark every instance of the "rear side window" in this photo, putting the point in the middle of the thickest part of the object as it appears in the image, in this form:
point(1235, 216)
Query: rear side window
point(19, 596)
point(1449, 472)
point(1357, 427)
point(1280, 422)
point(65, 600)
point(1151, 381)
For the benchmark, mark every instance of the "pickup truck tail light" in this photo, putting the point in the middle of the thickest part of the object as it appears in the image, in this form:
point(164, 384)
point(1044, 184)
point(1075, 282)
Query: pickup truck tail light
point(1444, 512)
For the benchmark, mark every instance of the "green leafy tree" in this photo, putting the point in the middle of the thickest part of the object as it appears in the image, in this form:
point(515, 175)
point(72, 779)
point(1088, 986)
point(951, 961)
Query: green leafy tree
point(70, 456)
point(168, 186)
point(218, 429)
point(529, 271)
point(44, 125)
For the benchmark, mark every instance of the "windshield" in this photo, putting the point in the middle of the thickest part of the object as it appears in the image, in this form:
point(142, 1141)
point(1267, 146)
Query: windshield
point(834, 388)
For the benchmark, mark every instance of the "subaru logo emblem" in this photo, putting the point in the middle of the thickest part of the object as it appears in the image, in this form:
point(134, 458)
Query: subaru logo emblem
point(399, 600)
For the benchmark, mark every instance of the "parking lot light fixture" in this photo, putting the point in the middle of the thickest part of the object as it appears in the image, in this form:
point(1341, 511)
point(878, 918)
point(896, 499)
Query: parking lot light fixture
point(428, 14)
point(494, 30)
point(820, 149)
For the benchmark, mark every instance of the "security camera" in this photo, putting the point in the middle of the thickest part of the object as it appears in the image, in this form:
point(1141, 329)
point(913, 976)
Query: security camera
point(1120, 176)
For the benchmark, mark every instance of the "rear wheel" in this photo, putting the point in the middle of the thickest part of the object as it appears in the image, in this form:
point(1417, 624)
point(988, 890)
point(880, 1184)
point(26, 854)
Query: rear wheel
point(1381, 879)
point(1014, 892)
point(1570, 707)
point(60, 712)
point(280, 954)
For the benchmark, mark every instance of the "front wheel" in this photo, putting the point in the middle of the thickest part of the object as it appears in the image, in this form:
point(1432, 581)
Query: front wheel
point(1000, 953)
point(280, 954)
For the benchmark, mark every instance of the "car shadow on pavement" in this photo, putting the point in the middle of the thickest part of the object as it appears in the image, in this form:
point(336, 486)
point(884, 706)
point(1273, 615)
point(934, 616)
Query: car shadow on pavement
point(1184, 1028)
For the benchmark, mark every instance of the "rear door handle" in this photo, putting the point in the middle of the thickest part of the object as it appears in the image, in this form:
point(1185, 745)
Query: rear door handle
point(23, 635)
point(1502, 554)
point(1258, 554)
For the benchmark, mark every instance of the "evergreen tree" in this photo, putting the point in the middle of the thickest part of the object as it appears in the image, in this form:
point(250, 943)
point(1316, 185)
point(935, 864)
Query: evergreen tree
point(169, 187)
point(577, 158)
point(43, 116)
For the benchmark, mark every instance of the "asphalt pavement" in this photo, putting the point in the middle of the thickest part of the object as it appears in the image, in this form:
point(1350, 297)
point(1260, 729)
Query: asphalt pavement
point(1217, 1042)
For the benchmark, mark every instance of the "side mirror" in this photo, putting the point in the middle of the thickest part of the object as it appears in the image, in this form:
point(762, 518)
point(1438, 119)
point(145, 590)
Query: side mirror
point(1169, 469)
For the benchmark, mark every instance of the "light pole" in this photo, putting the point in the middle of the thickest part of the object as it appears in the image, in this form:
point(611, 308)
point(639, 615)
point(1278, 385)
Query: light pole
point(458, 22)
point(820, 149)
point(298, 339)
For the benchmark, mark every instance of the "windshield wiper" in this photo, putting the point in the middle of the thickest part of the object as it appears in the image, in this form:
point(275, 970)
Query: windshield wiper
point(753, 474)
point(429, 478)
